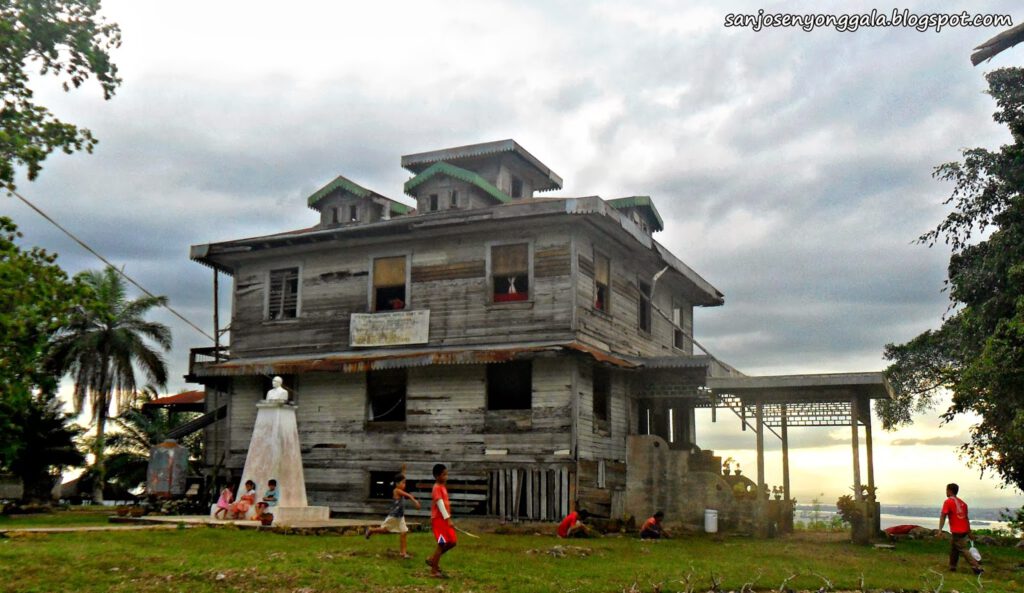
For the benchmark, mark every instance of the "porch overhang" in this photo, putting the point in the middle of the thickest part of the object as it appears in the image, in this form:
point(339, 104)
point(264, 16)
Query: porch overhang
point(390, 358)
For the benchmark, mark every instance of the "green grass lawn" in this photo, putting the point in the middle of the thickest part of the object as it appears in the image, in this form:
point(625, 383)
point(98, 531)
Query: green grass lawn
point(226, 560)
point(78, 517)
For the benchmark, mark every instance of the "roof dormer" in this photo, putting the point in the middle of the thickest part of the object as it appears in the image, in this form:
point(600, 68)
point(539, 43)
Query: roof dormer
point(342, 202)
point(641, 210)
point(498, 170)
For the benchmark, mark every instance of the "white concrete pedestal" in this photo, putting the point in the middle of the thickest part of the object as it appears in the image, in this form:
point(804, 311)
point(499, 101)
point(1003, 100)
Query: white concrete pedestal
point(274, 453)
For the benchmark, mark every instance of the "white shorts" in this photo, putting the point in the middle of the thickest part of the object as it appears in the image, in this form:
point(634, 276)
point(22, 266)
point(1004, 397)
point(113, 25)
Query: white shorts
point(395, 524)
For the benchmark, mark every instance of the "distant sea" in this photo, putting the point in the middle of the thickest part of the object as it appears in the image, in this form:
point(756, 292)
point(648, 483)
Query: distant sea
point(890, 519)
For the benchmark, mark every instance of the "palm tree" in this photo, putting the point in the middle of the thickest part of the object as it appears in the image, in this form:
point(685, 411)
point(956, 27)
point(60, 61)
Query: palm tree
point(100, 349)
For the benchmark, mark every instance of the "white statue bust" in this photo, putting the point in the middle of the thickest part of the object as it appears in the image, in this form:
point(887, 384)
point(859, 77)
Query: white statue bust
point(278, 393)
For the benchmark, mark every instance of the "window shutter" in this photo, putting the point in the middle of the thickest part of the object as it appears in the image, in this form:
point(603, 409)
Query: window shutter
point(601, 269)
point(510, 260)
point(389, 271)
point(283, 300)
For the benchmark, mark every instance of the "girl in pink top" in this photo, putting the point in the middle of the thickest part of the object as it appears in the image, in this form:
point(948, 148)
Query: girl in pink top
point(227, 496)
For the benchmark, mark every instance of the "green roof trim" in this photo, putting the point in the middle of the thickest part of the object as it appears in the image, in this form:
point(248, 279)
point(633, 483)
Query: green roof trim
point(470, 177)
point(638, 202)
point(347, 185)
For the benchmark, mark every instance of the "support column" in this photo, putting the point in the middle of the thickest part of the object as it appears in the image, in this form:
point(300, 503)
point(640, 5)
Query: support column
point(216, 316)
point(760, 451)
point(785, 455)
point(871, 454)
point(856, 450)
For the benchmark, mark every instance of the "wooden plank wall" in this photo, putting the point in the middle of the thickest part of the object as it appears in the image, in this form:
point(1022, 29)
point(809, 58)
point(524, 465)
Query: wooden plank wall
point(446, 421)
point(447, 277)
point(531, 493)
point(619, 329)
point(597, 445)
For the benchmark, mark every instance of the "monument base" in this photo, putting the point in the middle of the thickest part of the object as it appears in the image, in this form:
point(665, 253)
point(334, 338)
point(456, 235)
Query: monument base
point(292, 515)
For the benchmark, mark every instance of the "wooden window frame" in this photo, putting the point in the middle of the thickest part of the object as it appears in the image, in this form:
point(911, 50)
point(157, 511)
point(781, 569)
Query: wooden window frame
point(607, 308)
point(489, 246)
point(678, 335)
point(453, 198)
point(601, 425)
point(386, 424)
point(353, 213)
point(371, 297)
point(433, 203)
point(513, 182)
point(487, 386)
point(298, 295)
point(649, 298)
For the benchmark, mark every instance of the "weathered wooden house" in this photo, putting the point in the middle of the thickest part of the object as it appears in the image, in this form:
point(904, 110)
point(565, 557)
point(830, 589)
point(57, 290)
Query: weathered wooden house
point(522, 340)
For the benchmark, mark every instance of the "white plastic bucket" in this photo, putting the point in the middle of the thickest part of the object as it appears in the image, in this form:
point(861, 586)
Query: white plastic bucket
point(710, 521)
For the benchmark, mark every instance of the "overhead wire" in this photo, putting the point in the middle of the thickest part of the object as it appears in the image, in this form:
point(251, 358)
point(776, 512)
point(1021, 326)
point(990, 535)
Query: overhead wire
point(99, 256)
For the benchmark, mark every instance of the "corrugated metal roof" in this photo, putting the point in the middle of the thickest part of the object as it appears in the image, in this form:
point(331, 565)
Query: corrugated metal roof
point(417, 162)
point(458, 173)
point(378, 359)
point(343, 183)
point(183, 398)
point(642, 202)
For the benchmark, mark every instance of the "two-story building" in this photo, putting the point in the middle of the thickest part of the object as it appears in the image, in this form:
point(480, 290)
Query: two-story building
point(519, 339)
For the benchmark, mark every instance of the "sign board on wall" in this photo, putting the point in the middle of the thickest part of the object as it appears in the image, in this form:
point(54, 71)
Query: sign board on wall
point(392, 328)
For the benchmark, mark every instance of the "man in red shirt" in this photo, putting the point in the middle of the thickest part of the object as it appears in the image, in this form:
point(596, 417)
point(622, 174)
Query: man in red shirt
point(959, 527)
point(572, 525)
point(440, 520)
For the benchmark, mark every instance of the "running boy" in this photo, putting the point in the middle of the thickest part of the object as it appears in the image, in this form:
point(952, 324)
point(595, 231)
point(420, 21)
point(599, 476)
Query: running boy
point(395, 521)
point(959, 527)
point(440, 520)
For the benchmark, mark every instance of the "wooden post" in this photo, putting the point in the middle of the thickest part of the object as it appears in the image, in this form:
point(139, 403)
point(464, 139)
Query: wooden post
point(216, 316)
point(856, 450)
point(785, 455)
point(760, 451)
point(871, 455)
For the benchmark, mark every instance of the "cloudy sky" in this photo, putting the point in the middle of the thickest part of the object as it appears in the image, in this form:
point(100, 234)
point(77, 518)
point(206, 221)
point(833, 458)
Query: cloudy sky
point(793, 169)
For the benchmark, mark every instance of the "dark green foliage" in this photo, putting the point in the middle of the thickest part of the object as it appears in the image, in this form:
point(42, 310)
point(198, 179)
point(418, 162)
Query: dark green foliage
point(66, 38)
point(978, 353)
point(36, 298)
point(47, 438)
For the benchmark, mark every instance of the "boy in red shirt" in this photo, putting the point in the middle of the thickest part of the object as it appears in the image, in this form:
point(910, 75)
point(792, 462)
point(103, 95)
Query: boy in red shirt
point(440, 520)
point(959, 527)
point(652, 528)
point(572, 525)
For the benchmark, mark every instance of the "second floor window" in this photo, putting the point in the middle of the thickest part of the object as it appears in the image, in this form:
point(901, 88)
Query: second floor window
point(353, 213)
point(510, 272)
point(602, 275)
point(433, 202)
point(283, 297)
point(389, 284)
point(644, 312)
point(677, 332)
point(453, 199)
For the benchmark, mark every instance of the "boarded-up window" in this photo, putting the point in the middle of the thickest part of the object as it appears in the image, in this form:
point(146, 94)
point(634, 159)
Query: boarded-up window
point(510, 272)
point(644, 309)
point(602, 394)
point(602, 275)
point(385, 394)
point(283, 297)
point(677, 321)
point(510, 385)
point(389, 283)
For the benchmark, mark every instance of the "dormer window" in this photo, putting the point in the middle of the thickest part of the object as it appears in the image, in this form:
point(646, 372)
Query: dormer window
point(516, 189)
point(335, 215)
point(353, 213)
point(433, 202)
point(453, 199)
